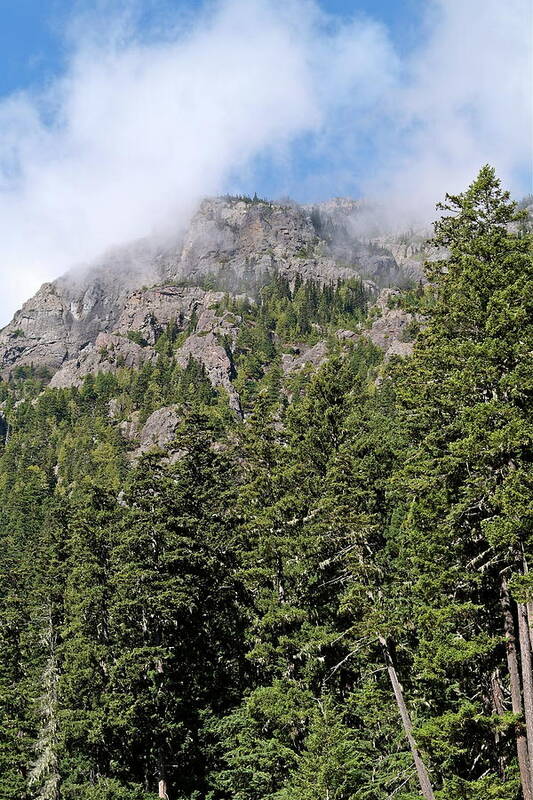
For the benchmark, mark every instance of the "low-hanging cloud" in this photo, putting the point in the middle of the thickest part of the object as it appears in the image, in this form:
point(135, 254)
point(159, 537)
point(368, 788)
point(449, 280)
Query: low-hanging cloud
point(466, 98)
point(139, 128)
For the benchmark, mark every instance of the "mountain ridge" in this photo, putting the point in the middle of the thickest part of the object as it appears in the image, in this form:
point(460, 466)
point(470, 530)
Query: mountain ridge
point(231, 244)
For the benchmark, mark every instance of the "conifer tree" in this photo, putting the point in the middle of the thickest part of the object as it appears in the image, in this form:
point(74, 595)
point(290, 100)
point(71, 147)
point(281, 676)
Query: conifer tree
point(174, 627)
point(331, 599)
point(466, 520)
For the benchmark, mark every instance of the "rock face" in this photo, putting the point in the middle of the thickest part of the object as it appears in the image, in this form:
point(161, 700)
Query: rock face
point(208, 346)
point(158, 432)
point(239, 242)
point(145, 316)
point(109, 352)
point(67, 315)
point(112, 313)
point(38, 334)
point(148, 312)
point(303, 356)
point(354, 234)
point(390, 330)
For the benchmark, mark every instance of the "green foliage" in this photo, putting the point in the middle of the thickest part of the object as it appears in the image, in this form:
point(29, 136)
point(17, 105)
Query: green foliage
point(110, 789)
point(284, 314)
point(222, 615)
point(332, 764)
point(244, 198)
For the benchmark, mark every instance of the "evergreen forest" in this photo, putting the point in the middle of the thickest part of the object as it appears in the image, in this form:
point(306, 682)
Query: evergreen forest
point(330, 600)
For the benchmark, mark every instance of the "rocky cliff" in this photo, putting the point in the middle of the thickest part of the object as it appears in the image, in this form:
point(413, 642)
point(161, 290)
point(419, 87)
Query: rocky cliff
point(111, 313)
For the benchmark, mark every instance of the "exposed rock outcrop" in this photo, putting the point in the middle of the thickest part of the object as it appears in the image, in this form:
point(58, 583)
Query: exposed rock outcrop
point(108, 353)
point(235, 243)
point(240, 242)
point(303, 356)
point(38, 333)
point(145, 316)
point(355, 233)
point(111, 314)
point(212, 334)
point(158, 432)
point(148, 311)
point(130, 428)
point(390, 330)
point(68, 314)
point(209, 345)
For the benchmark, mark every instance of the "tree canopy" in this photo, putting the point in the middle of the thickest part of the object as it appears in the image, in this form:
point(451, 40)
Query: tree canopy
point(332, 599)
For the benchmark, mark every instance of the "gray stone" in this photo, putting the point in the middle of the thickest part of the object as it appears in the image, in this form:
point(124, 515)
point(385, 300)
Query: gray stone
point(149, 311)
point(236, 242)
point(389, 329)
point(159, 429)
point(131, 427)
point(109, 352)
point(313, 356)
point(157, 433)
point(207, 350)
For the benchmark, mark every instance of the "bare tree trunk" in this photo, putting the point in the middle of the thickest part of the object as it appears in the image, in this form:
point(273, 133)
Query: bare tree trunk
point(527, 680)
point(529, 605)
point(516, 695)
point(498, 707)
point(279, 580)
point(162, 780)
point(45, 770)
point(162, 783)
point(423, 776)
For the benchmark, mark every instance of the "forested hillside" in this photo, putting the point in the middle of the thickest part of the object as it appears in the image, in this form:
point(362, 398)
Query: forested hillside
point(318, 593)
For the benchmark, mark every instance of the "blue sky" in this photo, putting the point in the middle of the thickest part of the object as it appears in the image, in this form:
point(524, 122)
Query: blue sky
point(36, 44)
point(117, 116)
point(33, 49)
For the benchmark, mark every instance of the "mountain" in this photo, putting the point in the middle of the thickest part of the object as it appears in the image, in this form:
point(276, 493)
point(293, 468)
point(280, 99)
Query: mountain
point(231, 244)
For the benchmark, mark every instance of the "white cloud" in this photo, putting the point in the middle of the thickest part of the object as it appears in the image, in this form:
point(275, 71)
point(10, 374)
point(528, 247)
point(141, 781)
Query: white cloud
point(465, 99)
point(138, 129)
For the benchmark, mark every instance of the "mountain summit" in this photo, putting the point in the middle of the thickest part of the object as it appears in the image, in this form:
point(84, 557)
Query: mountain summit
point(232, 244)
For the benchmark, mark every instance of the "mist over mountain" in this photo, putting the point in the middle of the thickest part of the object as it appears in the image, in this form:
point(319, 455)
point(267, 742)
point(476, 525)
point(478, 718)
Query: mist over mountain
point(233, 245)
point(145, 119)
